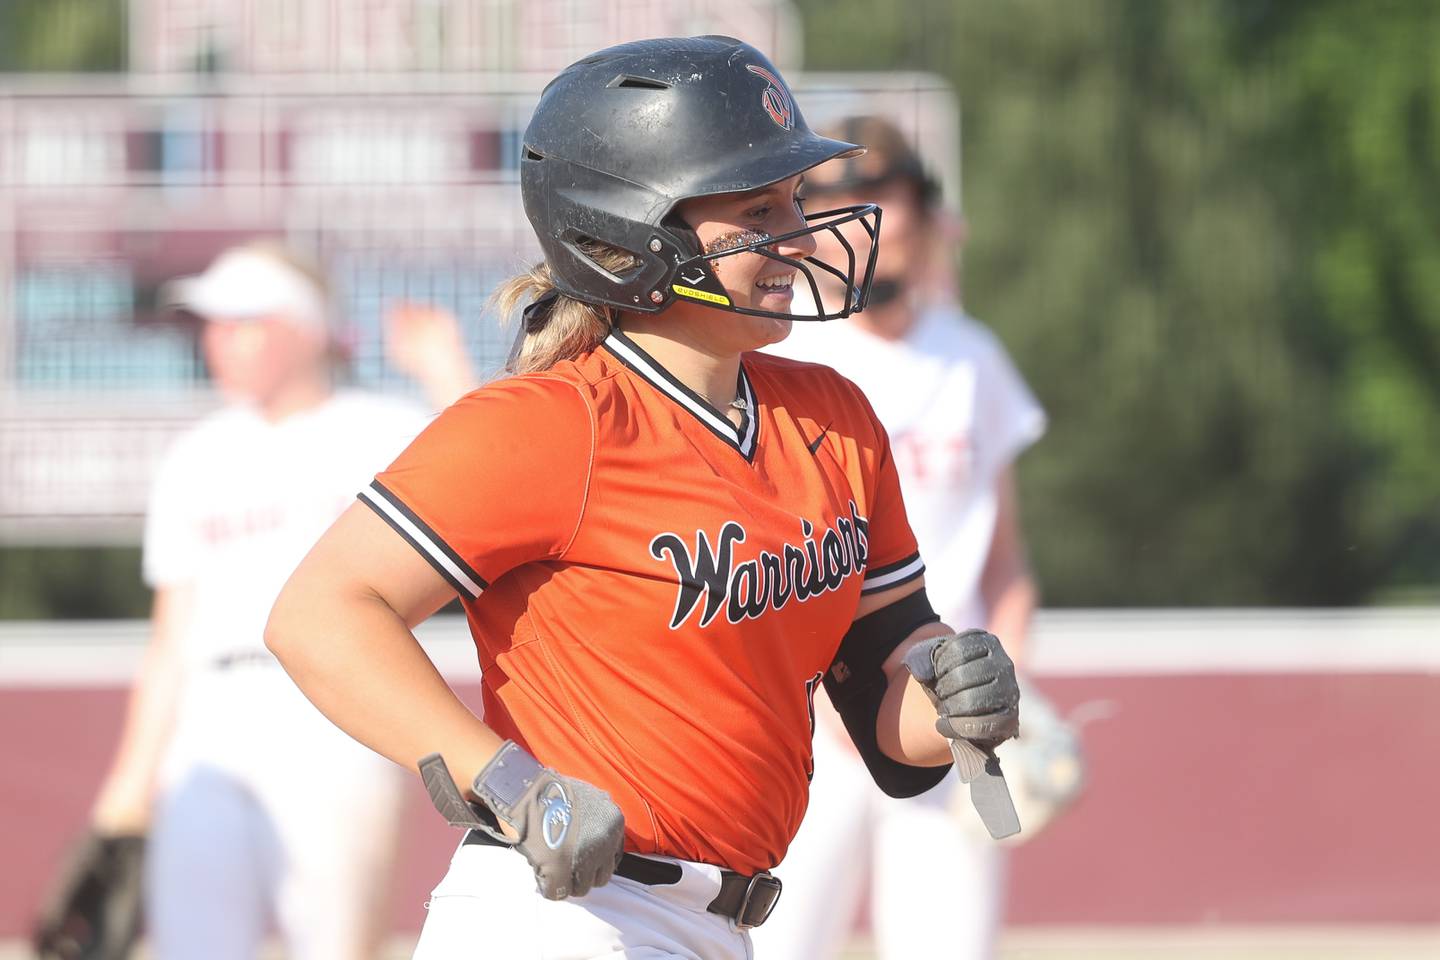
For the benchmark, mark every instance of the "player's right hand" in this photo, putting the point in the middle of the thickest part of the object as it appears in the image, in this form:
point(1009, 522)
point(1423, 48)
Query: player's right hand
point(570, 831)
point(420, 337)
point(971, 681)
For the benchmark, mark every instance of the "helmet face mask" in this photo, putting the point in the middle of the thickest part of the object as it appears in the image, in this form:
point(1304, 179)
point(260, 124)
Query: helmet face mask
point(695, 279)
point(623, 137)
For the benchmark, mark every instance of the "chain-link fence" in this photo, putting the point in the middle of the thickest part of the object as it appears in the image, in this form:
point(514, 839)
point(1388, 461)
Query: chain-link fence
point(403, 186)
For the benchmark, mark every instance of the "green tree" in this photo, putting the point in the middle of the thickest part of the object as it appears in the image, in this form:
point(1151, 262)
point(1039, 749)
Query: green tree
point(71, 583)
point(63, 35)
point(1176, 234)
point(1361, 95)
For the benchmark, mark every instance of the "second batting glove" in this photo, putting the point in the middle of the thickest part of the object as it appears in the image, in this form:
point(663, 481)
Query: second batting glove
point(971, 681)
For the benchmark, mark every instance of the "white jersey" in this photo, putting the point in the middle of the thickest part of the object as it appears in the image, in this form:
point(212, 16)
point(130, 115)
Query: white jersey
point(958, 413)
point(237, 503)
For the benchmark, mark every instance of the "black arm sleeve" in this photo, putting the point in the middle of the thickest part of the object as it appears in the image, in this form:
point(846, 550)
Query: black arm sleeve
point(856, 685)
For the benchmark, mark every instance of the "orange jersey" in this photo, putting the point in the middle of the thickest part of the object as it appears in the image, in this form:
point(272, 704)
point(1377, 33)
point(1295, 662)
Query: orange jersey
point(654, 592)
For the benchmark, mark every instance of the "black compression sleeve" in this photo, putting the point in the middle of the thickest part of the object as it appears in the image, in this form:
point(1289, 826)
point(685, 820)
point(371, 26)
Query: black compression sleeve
point(856, 685)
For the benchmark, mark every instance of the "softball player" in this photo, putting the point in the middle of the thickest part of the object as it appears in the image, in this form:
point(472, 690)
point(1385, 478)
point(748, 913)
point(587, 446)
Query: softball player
point(663, 541)
point(258, 810)
point(958, 415)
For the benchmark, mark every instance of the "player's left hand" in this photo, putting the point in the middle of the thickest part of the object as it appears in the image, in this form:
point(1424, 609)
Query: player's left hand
point(971, 681)
point(94, 912)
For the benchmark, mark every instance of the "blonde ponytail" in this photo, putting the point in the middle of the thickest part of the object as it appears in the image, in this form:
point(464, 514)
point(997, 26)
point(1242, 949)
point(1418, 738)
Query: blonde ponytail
point(571, 327)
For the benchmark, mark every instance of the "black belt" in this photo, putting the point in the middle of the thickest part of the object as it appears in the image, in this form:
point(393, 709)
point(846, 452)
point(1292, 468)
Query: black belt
point(747, 901)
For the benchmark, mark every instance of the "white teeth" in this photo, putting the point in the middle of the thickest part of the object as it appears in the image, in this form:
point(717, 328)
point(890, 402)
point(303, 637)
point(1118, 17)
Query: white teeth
point(776, 283)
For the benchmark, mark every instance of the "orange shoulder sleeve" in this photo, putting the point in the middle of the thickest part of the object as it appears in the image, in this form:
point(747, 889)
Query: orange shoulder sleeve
point(497, 480)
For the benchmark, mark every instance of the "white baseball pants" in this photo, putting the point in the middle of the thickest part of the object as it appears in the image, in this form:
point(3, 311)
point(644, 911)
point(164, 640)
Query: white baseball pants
point(487, 906)
point(270, 820)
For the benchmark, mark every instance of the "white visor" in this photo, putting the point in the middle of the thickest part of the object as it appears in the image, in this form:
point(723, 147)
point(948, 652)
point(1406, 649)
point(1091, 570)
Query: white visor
point(245, 285)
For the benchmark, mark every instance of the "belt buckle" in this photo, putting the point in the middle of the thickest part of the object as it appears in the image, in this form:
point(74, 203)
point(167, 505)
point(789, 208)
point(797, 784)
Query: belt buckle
point(769, 886)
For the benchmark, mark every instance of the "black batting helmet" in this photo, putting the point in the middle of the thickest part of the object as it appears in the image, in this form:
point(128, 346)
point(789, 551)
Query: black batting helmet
point(621, 137)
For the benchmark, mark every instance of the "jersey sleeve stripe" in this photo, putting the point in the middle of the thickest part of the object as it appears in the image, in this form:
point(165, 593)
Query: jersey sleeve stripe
point(404, 521)
point(394, 525)
point(893, 574)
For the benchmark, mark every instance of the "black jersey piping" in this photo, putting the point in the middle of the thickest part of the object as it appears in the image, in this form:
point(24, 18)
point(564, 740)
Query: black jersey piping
point(744, 439)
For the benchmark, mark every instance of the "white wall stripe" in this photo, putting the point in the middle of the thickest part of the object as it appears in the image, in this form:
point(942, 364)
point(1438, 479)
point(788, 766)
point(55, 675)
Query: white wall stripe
point(435, 553)
point(885, 579)
point(108, 654)
point(1234, 641)
point(1065, 643)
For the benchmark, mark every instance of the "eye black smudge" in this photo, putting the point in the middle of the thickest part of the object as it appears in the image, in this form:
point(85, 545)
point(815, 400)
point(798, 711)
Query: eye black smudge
point(735, 238)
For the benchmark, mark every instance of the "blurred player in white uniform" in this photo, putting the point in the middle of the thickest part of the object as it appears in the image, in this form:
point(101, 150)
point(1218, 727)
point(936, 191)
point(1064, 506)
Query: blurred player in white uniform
point(958, 414)
point(260, 813)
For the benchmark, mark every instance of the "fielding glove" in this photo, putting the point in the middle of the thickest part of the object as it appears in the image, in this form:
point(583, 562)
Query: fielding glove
point(94, 912)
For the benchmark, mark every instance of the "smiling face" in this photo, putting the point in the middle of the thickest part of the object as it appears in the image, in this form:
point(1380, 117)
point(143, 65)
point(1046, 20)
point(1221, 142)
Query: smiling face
point(752, 280)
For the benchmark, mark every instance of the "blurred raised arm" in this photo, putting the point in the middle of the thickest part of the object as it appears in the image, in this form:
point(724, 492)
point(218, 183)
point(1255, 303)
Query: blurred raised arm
point(424, 342)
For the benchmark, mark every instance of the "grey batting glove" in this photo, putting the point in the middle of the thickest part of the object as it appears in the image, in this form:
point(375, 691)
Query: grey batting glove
point(971, 681)
point(570, 831)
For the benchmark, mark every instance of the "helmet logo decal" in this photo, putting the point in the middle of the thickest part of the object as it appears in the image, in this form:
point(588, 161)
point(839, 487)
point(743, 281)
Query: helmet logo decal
point(698, 282)
point(776, 99)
